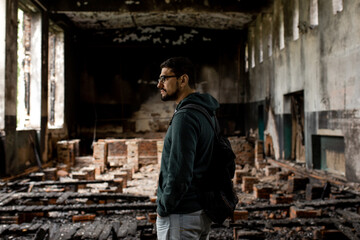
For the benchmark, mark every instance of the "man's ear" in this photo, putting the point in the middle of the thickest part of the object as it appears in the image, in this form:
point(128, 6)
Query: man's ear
point(185, 79)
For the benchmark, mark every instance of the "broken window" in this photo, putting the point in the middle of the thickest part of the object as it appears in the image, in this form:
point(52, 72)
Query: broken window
point(2, 63)
point(314, 13)
point(252, 42)
point(281, 30)
point(269, 40)
point(56, 77)
point(296, 20)
point(29, 70)
point(261, 53)
point(337, 6)
point(246, 57)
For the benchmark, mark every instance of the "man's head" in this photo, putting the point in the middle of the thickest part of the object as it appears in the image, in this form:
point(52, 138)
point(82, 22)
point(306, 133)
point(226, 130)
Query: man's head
point(176, 79)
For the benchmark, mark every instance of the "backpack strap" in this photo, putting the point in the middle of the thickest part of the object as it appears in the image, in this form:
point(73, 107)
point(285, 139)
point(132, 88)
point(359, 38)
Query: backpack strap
point(201, 109)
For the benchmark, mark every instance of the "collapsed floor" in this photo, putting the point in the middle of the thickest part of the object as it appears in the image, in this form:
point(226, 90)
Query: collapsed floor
point(111, 195)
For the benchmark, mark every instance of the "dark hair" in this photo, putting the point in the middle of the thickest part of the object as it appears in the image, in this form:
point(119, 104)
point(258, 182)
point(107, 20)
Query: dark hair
point(180, 66)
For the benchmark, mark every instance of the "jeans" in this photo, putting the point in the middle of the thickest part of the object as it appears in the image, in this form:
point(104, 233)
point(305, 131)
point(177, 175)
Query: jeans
point(194, 225)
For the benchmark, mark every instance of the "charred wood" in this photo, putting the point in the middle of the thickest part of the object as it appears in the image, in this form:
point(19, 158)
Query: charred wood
point(78, 207)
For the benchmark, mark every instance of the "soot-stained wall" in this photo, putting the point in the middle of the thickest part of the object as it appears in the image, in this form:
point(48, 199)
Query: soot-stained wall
point(322, 62)
point(118, 74)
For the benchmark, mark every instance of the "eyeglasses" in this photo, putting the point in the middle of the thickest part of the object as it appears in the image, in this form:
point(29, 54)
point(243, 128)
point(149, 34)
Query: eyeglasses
point(163, 78)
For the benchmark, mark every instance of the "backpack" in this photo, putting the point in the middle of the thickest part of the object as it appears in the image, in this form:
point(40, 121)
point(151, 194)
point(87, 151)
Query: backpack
point(216, 191)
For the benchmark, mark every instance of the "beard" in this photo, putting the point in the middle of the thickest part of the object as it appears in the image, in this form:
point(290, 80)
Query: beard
point(170, 97)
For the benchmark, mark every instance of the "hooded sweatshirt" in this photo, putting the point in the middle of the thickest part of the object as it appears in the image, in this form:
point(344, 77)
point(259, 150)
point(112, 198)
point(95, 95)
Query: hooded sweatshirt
point(186, 156)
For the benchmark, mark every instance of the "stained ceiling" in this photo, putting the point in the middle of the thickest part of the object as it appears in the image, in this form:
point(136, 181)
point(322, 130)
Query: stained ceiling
point(116, 14)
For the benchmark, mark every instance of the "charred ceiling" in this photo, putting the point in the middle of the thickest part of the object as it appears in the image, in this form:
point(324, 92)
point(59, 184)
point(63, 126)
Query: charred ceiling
point(207, 14)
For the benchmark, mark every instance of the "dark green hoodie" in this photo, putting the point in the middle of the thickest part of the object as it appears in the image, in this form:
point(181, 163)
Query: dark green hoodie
point(187, 149)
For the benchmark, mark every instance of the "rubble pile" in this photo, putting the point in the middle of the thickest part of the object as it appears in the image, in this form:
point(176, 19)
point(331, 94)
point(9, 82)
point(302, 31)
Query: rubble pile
point(112, 194)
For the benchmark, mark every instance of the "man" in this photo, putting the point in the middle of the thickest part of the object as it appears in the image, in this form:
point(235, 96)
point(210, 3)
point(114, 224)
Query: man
point(186, 155)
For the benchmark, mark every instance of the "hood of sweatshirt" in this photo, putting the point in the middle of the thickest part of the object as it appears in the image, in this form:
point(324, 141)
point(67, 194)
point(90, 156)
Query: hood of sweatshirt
point(203, 99)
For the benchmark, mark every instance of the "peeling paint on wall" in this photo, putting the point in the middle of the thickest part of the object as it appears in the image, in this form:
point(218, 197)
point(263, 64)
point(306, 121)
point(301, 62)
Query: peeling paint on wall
point(271, 130)
point(154, 115)
point(186, 18)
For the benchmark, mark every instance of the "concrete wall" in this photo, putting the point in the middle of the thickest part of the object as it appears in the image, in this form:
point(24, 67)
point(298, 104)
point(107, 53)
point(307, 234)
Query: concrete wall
point(2, 62)
point(323, 62)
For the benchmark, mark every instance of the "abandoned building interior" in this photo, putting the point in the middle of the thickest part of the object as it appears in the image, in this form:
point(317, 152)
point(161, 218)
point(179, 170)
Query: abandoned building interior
point(82, 122)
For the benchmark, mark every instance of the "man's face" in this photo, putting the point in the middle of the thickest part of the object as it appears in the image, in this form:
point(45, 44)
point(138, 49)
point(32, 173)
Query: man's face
point(169, 87)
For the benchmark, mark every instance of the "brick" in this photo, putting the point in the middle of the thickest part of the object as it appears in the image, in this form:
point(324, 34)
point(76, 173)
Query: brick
point(314, 191)
point(304, 213)
point(10, 220)
point(117, 147)
point(328, 234)
point(116, 161)
point(239, 174)
point(108, 190)
point(282, 176)
point(261, 191)
point(149, 160)
point(38, 176)
point(147, 148)
point(130, 171)
point(159, 146)
point(63, 152)
point(259, 146)
point(248, 183)
point(90, 173)
point(297, 183)
point(260, 163)
point(118, 183)
point(79, 175)
point(100, 152)
point(153, 199)
point(124, 176)
point(152, 217)
point(99, 168)
point(271, 171)
point(29, 216)
point(281, 199)
point(76, 144)
point(133, 153)
point(241, 215)
point(50, 174)
point(83, 218)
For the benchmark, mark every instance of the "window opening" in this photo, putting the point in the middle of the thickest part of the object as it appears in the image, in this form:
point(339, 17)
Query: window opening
point(270, 40)
point(24, 58)
point(281, 30)
point(29, 68)
point(337, 6)
point(252, 49)
point(246, 57)
point(56, 77)
point(296, 20)
point(314, 13)
point(261, 53)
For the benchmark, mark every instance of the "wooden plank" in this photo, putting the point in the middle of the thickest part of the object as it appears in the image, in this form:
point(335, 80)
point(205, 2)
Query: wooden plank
point(127, 228)
point(106, 232)
point(70, 195)
point(346, 231)
point(78, 207)
point(42, 232)
point(270, 223)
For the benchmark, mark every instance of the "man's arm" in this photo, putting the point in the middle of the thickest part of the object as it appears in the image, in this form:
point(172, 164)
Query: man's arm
point(185, 132)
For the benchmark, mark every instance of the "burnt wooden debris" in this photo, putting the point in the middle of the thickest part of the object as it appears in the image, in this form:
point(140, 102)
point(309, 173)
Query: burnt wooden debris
point(278, 200)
